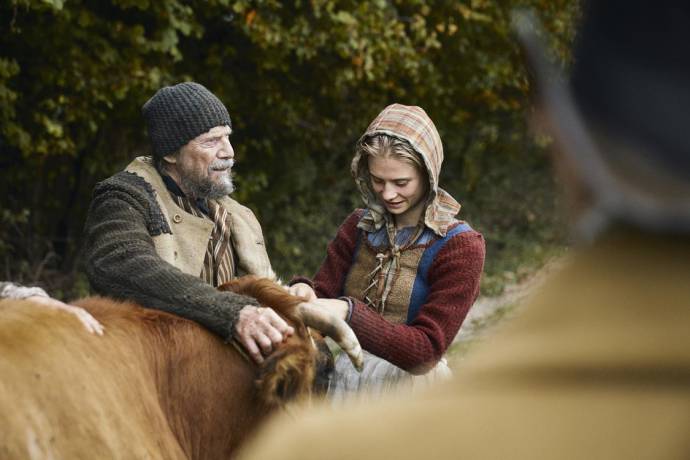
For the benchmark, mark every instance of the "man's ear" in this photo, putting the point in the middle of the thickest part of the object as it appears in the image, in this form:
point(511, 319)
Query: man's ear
point(171, 159)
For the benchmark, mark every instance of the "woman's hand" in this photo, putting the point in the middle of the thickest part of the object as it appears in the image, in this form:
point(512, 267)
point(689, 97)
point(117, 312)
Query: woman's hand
point(89, 322)
point(302, 290)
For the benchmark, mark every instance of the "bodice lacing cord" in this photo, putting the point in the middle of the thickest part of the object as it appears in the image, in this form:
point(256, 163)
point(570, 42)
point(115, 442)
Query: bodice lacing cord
point(387, 267)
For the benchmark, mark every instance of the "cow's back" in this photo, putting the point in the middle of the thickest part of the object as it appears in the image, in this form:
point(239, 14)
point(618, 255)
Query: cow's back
point(153, 386)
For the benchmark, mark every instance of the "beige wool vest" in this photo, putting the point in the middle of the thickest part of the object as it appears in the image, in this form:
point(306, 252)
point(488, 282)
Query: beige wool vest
point(185, 248)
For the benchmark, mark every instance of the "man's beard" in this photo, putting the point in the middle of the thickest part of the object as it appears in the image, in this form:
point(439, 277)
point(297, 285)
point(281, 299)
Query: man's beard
point(199, 186)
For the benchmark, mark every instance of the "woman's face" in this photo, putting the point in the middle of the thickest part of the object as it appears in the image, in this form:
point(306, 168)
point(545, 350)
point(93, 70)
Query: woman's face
point(400, 187)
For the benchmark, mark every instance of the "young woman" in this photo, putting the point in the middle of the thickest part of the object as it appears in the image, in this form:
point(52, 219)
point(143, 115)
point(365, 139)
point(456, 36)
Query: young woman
point(403, 271)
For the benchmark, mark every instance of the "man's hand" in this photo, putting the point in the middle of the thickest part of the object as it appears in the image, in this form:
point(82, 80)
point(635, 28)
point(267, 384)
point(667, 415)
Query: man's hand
point(89, 322)
point(328, 316)
point(336, 307)
point(260, 329)
point(302, 290)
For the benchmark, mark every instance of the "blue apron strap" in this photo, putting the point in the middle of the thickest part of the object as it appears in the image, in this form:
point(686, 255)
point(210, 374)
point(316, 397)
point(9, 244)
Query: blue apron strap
point(420, 289)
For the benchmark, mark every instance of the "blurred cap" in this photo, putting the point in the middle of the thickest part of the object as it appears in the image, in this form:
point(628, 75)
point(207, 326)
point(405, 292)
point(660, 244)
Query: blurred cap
point(620, 118)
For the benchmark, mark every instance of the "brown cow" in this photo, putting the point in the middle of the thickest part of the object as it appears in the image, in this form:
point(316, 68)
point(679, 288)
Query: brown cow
point(154, 386)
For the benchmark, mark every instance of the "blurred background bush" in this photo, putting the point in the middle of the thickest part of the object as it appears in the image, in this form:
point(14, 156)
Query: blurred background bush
point(301, 80)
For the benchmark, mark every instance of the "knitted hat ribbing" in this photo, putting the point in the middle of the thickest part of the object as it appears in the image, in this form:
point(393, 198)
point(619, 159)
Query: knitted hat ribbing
point(177, 114)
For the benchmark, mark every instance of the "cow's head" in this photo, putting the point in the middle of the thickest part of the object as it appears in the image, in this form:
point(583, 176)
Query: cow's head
point(301, 365)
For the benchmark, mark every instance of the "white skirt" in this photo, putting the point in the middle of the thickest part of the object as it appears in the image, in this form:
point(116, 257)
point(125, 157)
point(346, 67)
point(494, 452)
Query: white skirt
point(378, 377)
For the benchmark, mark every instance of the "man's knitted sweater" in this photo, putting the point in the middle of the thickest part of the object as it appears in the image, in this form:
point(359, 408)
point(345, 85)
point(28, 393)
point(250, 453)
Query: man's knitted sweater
point(453, 280)
point(121, 259)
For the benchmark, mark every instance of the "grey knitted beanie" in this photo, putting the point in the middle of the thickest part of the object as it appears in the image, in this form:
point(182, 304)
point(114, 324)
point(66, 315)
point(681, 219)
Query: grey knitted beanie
point(177, 114)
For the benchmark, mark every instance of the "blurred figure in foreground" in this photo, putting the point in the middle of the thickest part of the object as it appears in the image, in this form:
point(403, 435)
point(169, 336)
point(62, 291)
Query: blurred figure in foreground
point(39, 296)
point(598, 363)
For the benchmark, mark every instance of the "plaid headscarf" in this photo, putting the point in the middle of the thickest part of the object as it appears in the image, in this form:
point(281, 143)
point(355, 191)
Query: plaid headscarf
point(412, 124)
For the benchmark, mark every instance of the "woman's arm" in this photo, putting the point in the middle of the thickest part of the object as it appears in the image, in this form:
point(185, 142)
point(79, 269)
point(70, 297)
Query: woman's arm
point(453, 287)
point(329, 280)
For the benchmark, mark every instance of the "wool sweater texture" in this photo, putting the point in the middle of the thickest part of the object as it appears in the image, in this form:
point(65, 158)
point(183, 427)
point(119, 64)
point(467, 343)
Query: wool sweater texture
point(121, 259)
point(417, 345)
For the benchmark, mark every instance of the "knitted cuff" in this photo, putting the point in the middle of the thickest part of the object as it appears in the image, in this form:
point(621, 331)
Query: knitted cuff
point(15, 291)
point(301, 279)
point(350, 306)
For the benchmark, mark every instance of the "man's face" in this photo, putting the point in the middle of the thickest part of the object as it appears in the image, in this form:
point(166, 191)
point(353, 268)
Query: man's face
point(202, 167)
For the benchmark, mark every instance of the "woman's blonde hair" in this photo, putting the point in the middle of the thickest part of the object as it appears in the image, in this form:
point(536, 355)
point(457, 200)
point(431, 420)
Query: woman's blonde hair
point(384, 146)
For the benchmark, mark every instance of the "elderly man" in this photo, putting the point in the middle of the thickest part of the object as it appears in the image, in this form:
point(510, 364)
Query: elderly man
point(165, 233)
point(598, 363)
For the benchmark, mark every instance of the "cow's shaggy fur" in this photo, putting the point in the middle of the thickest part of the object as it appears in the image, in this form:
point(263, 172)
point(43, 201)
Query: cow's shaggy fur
point(154, 386)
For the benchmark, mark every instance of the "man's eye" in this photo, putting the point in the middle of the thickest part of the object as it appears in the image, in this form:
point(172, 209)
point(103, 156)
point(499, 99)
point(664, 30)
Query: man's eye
point(401, 183)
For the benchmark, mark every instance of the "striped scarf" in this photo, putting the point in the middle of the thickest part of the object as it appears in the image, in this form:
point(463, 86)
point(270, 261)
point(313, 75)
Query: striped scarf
point(219, 262)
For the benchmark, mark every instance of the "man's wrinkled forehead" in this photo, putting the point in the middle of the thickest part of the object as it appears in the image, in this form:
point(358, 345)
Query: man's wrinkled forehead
point(217, 131)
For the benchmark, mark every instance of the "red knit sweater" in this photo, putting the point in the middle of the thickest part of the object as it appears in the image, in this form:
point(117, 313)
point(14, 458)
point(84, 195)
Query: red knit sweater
point(454, 285)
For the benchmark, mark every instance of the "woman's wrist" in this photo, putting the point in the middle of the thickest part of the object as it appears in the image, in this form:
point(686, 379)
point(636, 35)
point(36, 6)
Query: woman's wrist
point(350, 307)
point(301, 279)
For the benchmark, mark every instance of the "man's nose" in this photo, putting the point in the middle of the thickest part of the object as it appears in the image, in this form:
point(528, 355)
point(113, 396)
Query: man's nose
point(226, 150)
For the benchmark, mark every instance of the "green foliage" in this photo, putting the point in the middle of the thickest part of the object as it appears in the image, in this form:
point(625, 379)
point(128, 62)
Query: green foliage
point(301, 79)
point(23, 257)
point(10, 221)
